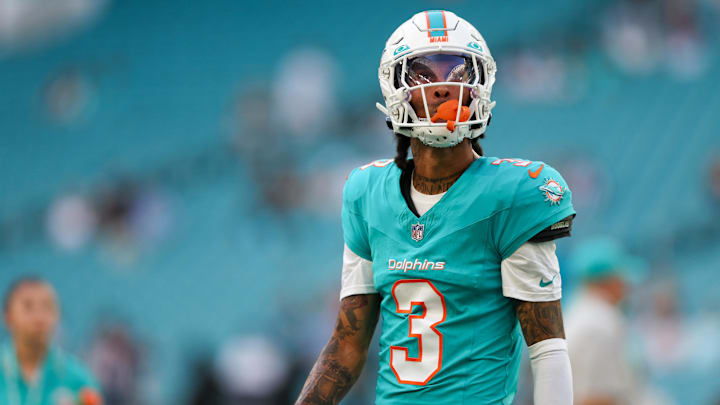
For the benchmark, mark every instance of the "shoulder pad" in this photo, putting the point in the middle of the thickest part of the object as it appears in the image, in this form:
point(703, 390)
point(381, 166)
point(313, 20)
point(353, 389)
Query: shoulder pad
point(541, 182)
point(519, 178)
point(527, 178)
point(361, 177)
point(535, 197)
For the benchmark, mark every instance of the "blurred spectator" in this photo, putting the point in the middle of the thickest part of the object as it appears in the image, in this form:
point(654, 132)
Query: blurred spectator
point(270, 158)
point(537, 76)
point(68, 96)
point(663, 330)
point(597, 329)
point(206, 390)
point(252, 370)
point(304, 92)
point(33, 370)
point(132, 217)
point(126, 215)
point(254, 127)
point(632, 35)
point(115, 358)
point(71, 222)
point(688, 57)
point(641, 35)
point(27, 23)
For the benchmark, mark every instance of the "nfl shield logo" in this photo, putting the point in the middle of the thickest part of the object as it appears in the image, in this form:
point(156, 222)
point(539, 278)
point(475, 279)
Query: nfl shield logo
point(417, 232)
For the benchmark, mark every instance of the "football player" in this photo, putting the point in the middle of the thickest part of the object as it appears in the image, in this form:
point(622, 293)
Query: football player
point(454, 249)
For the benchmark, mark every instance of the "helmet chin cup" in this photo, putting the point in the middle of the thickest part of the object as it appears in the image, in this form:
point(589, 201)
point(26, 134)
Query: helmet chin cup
point(441, 137)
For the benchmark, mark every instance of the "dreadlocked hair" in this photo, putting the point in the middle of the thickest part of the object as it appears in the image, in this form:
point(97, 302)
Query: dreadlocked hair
point(476, 145)
point(403, 146)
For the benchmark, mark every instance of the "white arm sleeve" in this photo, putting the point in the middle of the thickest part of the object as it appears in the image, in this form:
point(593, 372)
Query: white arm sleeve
point(552, 374)
point(357, 275)
point(532, 273)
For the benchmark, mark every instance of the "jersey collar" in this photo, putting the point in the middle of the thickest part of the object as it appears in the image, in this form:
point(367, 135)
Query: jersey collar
point(399, 203)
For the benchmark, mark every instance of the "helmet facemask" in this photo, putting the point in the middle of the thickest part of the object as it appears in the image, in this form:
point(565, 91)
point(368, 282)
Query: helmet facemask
point(461, 74)
point(435, 78)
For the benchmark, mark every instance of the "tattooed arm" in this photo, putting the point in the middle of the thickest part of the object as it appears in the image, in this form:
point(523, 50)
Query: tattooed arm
point(343, 358)
point(540, 320)
point(542, 326)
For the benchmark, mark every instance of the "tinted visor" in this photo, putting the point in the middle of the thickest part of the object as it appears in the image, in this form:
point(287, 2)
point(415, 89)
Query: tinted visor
point(439, 68)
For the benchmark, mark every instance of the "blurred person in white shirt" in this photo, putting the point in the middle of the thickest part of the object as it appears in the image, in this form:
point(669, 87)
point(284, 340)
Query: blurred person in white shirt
point(596, 328)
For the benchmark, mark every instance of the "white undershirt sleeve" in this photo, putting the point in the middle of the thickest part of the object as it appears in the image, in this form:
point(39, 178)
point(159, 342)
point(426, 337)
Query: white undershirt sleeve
point(357, 275)
point(552, 374)
point(532, 273)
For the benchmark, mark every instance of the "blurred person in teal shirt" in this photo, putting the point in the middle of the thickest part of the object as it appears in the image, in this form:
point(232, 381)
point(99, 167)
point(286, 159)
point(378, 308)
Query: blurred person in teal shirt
point(34, 371)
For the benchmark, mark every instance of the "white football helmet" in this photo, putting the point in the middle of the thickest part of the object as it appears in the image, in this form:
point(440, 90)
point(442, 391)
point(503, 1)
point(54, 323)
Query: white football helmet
point(425, 34)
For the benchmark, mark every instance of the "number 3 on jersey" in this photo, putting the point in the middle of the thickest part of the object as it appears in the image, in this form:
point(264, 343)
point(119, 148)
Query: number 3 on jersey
point(408, 293)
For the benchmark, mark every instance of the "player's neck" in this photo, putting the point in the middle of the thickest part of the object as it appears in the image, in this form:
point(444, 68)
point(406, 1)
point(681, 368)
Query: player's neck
point(30, 356)
point(436, 169)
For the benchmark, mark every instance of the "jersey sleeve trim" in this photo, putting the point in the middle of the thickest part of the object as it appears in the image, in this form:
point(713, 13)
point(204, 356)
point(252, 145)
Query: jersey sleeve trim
point(528, 234)
point(557, 230)
point(523, 295)
point(357, 290)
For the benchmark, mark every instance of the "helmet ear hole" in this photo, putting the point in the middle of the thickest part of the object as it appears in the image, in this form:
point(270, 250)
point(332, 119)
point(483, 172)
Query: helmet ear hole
point(397, 74)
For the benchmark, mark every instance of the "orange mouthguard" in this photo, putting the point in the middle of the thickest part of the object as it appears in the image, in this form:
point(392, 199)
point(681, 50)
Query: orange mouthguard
point(448, 111)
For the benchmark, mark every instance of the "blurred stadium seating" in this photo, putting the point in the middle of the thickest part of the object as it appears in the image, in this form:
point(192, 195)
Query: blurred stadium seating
point(153, 168)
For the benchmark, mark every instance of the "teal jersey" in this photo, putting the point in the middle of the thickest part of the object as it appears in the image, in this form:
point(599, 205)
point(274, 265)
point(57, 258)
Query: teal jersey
point(62, 380)
point(448, 333)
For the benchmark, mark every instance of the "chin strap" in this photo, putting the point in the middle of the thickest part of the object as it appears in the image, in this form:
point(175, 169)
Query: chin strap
point(384, 110)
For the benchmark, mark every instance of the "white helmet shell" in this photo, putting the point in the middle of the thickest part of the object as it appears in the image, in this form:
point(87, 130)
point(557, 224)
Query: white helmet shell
point(433, 32)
